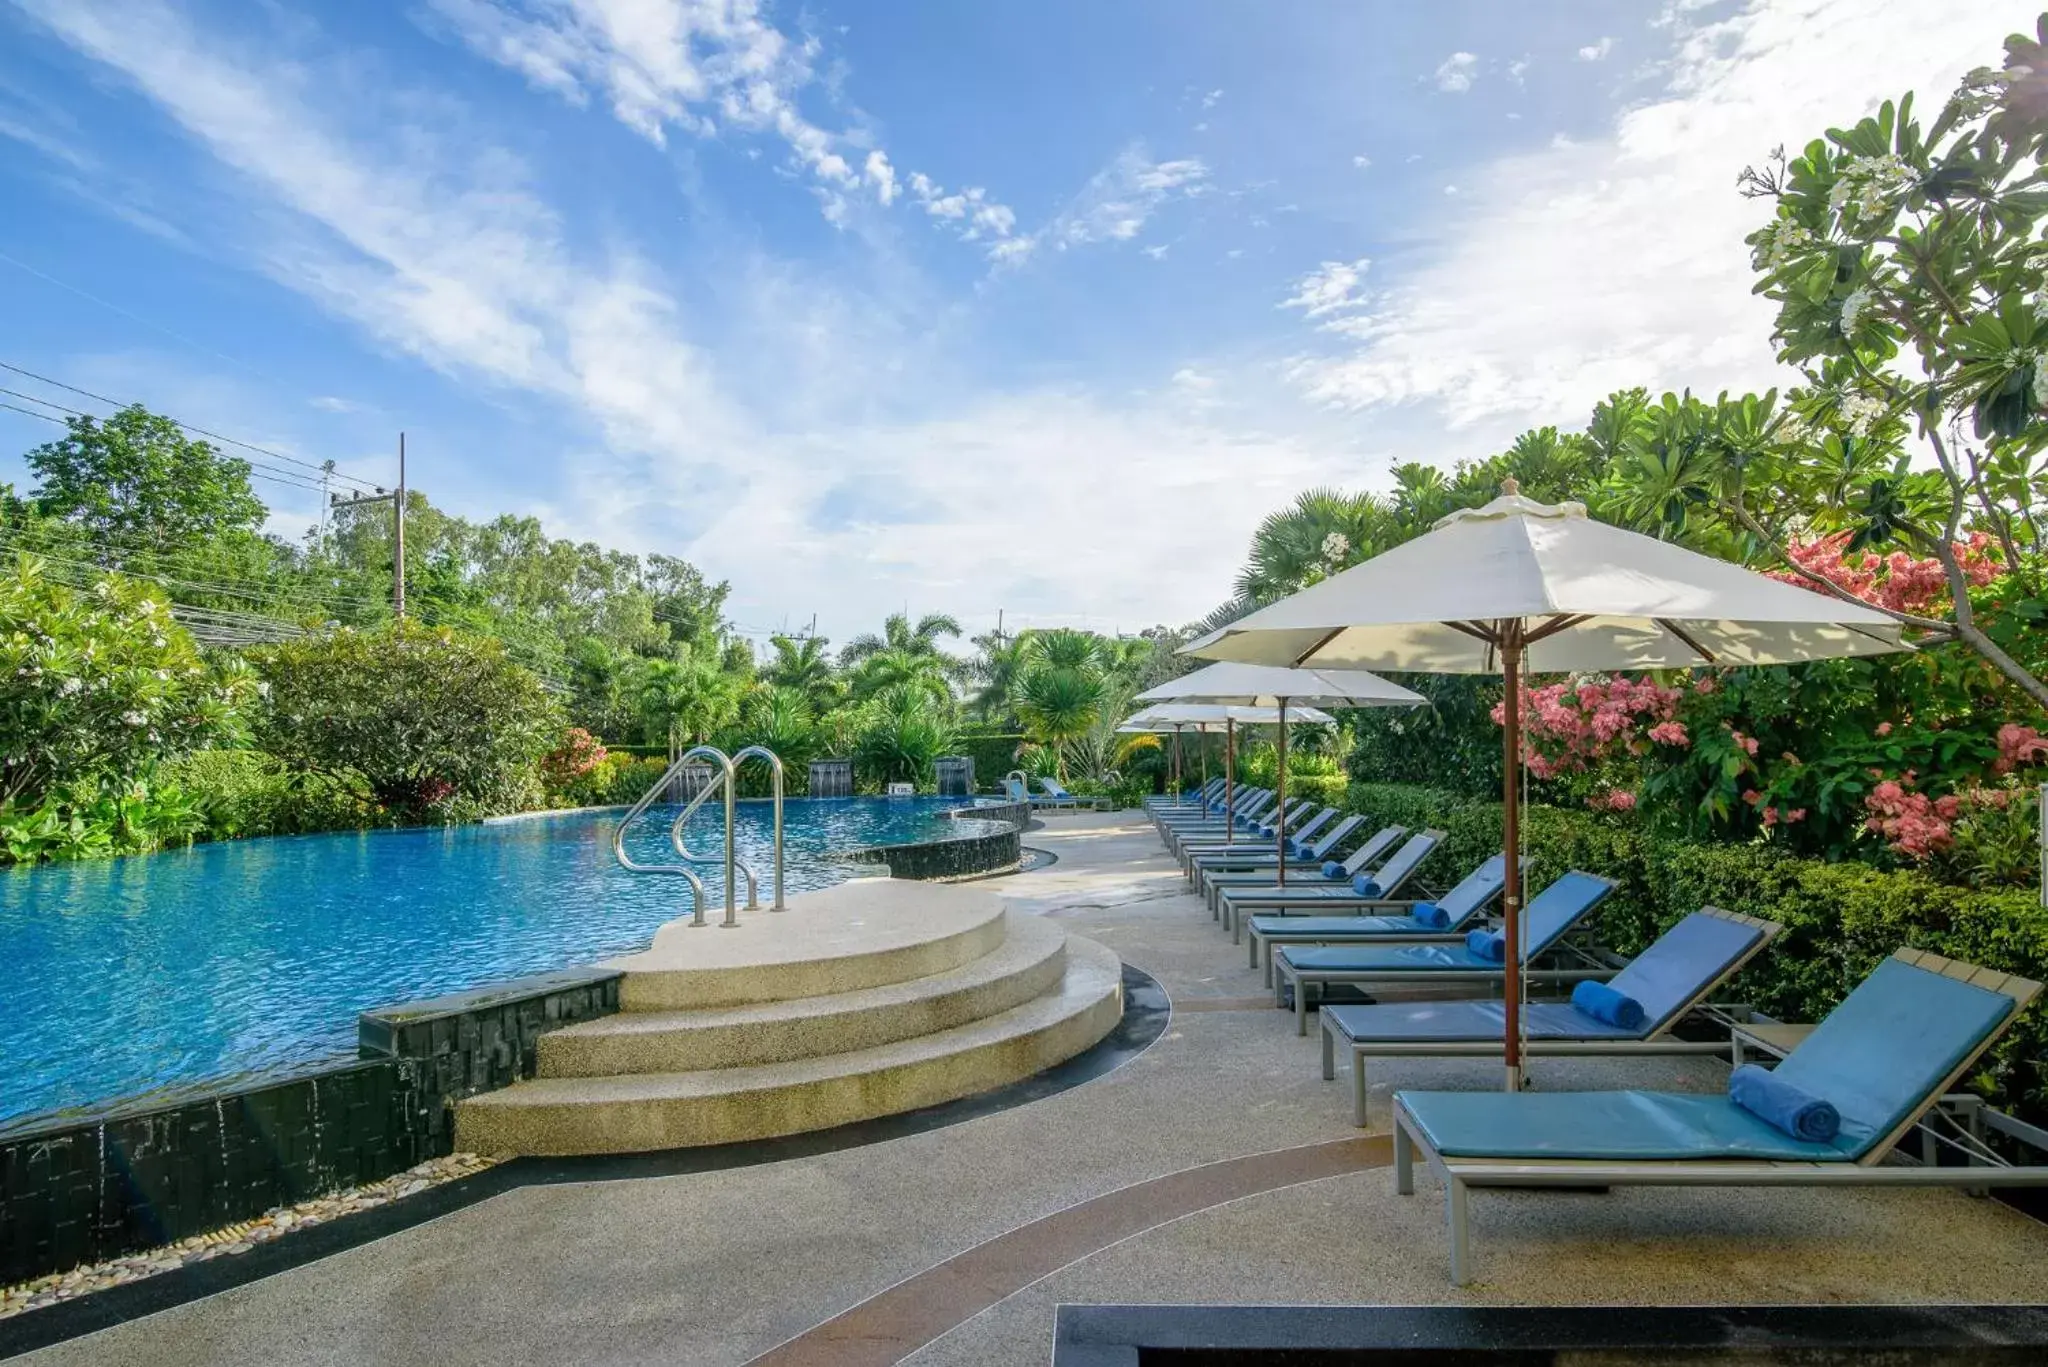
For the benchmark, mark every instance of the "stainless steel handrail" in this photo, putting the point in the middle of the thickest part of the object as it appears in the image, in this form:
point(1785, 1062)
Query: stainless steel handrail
point(775, 771)
point(675, 831)
point(688, 875)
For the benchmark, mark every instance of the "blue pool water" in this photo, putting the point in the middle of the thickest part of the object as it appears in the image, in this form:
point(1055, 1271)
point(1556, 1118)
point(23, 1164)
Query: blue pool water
point(256, 955)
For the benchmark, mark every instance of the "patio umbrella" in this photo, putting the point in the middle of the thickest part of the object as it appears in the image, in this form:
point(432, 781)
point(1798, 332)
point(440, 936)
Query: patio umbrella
point(1521, 585)
point(1259, 685)
point(1205, 717)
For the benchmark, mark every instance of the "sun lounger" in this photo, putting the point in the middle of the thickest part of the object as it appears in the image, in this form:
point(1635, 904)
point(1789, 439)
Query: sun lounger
point(1210, 791)
point(1057, 791)
point(1550, 915)
point(1258, 842)
point(1313, 897)
point(1243, 807)
point(1307, 851)
point(1215, 881)
point(1882, 1059)
point(1245, 824)
point(1667, 981)
point(1390, 922)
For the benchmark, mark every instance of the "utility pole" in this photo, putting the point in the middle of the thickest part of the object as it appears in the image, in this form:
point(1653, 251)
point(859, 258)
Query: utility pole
point(398, 538)
point(397, 502)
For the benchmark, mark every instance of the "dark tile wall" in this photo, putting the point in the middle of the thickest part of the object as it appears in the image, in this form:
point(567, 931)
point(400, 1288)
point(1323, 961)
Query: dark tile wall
point(155, 1169)
point(993, 840)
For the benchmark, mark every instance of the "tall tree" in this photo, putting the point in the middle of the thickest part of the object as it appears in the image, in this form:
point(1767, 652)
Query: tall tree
point(135, 481)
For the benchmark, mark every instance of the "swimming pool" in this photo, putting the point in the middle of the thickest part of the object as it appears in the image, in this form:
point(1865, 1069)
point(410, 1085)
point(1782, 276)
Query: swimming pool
point(255, 956)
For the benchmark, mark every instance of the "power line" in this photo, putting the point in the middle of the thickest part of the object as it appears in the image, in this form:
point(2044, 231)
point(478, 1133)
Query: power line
point(291, 479)
point(314, 466)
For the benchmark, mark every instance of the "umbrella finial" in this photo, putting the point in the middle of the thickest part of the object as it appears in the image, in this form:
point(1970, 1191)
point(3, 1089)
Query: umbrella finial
point(1510, 486)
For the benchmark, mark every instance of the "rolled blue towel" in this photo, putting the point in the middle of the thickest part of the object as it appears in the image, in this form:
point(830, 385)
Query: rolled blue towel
point(1782, 1105)
point(1333, 871)
point(1431, 915)
point(1266, 829)
point(1603, 1003)
point(1301, 851)
point(1489, 945)
point(1364, 886)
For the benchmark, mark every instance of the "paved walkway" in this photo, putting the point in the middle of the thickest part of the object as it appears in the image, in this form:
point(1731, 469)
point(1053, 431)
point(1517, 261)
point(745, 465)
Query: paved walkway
point(1215, 1167)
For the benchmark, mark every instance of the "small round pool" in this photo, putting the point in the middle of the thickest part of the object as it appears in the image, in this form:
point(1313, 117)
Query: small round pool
point(256, 955)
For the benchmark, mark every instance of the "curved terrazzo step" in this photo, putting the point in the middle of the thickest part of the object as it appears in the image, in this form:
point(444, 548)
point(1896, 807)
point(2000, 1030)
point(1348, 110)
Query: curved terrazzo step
point(1028, 964)
point(866, 933)
point(645, 1111)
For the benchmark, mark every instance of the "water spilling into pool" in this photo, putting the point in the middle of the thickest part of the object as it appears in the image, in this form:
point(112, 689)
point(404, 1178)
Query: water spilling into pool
point(257, 955)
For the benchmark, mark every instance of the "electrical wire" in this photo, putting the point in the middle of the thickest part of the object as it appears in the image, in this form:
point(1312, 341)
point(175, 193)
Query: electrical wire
point(313, 466)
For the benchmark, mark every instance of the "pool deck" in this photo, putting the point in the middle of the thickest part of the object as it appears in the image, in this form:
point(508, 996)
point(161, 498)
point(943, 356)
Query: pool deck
point(1215, 1167)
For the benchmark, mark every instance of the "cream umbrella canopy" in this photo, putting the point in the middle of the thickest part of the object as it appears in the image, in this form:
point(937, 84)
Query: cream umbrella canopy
point(1519, 585)
point(1262, 685)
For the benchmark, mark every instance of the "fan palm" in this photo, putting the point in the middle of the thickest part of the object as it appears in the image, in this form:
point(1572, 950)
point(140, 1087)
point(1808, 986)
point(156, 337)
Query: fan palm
point(1057, 705)
point(1324, 531)
point(896, 668)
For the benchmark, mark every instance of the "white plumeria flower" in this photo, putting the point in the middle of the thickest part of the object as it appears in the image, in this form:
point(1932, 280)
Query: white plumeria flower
point(1853, 307)
point(134, 719)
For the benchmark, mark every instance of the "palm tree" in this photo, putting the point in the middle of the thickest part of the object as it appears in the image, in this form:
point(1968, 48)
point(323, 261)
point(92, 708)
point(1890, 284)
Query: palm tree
point(896, 668)
point(899, 634)
point(1058, 704)
point(903, 731)
point(1324, 531)
point(689, 696)
point(995, 669)
point(804, 665)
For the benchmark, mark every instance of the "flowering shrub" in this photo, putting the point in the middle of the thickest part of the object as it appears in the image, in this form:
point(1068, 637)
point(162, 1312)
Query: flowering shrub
point(97, 685)
point(1572, 727)
point(1897, 582)
point(422, 718)
point(577, 755)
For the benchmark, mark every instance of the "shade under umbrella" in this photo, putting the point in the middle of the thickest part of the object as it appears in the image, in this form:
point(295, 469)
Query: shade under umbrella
point(1201, 717)
point(1519, 584)
point(1261, 685)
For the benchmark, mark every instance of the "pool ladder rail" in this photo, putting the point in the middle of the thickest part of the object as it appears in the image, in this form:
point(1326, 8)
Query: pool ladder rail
point(723, 782)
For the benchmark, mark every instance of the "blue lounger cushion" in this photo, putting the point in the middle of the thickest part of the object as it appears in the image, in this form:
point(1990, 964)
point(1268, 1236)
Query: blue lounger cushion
point(1365, 887)
point(1339, 927)
point(1603, 1003)
point(1393, 960)
point(1490, 946)
point(1627, 1126)
point(1466, 1022)
point(1333, 870)
point(1879, 1057)
point(1430, 914)
point(1782, 1105)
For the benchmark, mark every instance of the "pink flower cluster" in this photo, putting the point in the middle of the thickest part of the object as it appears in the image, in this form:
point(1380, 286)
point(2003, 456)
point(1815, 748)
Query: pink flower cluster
point(1568, 726)
point(1911, 823)
point(2018, 745)
point(1897, 581)
point(1613, 800)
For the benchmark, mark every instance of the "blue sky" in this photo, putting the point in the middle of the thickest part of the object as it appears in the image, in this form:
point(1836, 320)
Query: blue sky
point(1023, 305)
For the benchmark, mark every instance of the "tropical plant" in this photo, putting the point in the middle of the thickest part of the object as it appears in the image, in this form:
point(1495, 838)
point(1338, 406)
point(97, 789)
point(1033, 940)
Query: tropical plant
point(899, 634)
point(98, 684)
point(804, 665)
point(420, 716)
point(136, 480)
point(926, 672)
point(902, 732)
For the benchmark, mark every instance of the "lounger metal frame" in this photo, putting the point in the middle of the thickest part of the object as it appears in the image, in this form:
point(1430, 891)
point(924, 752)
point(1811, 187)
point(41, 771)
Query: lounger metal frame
point(1274, 899)
point(1385, 906)
point(1657, 1042)
point(1460, 1175)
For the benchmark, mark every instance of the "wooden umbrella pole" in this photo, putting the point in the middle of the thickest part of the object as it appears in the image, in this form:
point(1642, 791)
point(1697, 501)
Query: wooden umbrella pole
point(1511, 839)
point(1229, 777)
point(1280, 795)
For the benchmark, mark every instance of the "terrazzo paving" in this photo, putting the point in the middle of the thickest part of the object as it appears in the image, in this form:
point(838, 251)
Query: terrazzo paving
point(722, 1267)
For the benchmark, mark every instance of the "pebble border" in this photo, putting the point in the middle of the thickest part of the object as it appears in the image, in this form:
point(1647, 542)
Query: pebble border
point(239, 1237)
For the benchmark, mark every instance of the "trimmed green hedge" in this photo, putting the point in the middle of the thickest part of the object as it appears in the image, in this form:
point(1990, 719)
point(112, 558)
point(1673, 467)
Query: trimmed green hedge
point(1840, 919)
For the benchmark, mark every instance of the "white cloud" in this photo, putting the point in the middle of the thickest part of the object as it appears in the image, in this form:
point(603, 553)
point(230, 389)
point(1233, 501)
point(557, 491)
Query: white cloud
point(1518, 69)
point(1456, 74)
point(1361, 161)
point(1582, 267)
point(329, 403)
point(1450, 189)
point(882, 176)
point(1209, 100)
point(704, 66)
point(1332, 287)
point(1596, 51)
point(1120, 198)
point(1157, 251)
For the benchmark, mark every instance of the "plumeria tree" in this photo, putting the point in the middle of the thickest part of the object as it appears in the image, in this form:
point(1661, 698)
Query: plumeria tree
point(1907, 264)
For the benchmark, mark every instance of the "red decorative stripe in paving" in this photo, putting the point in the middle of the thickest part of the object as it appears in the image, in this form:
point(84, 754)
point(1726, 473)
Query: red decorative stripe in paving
point(895, 1323)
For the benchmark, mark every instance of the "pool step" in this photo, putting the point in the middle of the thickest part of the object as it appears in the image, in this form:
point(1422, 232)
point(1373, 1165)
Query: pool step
point(637, 1112)
point(1027, 964)
point(867, 933)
